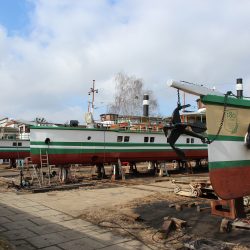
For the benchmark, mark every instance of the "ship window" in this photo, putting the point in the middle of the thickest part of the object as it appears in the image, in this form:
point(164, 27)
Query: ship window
point(119, 138)
point(167, 140)
point(19, 144)
point(192, 140)
point(188, 140)
point(146, 139)
point(14, 144)
point(126, 138)
point(152, 139)
point(89, 138)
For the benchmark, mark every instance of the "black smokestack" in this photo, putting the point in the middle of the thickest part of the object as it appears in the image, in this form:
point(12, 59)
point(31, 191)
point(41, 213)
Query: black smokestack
point(239, 88)
point(145, 105)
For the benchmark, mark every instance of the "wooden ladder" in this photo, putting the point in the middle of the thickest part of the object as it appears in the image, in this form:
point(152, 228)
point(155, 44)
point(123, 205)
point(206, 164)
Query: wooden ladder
point(36, 174)
point(44, 163)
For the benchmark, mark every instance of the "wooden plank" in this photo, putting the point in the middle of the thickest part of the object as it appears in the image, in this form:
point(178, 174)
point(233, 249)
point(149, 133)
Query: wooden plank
point(241, 225)
point(185, 193)
point(62, 187)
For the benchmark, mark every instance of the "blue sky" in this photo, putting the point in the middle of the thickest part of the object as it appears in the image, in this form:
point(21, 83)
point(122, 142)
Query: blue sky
point(51, 50)
point(14, 15)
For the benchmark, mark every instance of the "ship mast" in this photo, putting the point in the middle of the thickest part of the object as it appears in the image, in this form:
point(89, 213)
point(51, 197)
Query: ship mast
point(92, 92)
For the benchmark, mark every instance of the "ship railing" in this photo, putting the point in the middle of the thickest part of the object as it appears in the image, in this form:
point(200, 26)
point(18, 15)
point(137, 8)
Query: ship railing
point(137, 127)
point(143, 128)
point(23, 136)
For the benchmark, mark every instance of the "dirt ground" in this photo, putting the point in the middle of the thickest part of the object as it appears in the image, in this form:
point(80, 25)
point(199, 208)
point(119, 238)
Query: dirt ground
point(143, 216)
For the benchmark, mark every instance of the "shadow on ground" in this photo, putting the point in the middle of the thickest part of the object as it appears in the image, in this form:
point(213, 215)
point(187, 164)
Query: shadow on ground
point(201, 224)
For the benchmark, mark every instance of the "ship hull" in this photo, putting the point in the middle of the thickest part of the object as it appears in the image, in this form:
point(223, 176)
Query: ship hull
point(238, 175)
point(14, 154)
point(93, 158)
point(14, 149)
point(229, 158)
point(91, 146)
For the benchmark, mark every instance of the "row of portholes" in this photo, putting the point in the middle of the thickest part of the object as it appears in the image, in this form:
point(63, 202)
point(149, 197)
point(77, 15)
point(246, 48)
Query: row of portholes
point(17, 144)
point(126, 139)
point(188, 140)
point(47, 140)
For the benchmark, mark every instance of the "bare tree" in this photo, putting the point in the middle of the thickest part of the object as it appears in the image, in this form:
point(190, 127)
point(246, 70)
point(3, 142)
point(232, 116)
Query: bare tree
point(129, 91)
point(40, 120)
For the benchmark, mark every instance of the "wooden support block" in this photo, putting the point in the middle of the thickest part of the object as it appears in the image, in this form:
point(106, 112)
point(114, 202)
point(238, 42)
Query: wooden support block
point(185, 193)
point(123, 173)
point(132, 215)
point(113, 178)
point(225, 226)
point(179, 223)
point(167, 226)
point(178, 207)
point(200, 209)
point(191, 205)
point(241, 224)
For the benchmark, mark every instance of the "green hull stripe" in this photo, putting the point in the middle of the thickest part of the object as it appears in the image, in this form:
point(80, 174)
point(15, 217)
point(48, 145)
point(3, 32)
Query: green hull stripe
point(226, 138)
point(95, 151)
point(14, 147)
point(12, 151)
point(231, 101)
point(228, 164)
point(116, 144)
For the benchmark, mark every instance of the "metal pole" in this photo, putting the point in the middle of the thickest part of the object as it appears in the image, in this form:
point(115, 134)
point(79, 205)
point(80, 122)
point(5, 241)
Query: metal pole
point(92, 91)
point(93, 95)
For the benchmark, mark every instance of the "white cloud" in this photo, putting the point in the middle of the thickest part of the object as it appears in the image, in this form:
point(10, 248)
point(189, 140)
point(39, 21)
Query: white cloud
point(70, 43)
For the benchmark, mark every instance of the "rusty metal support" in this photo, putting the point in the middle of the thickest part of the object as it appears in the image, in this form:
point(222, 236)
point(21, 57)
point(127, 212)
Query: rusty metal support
point(231, 209)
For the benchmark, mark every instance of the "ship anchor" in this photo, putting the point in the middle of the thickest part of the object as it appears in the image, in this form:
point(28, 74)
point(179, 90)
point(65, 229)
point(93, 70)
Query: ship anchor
point(178, 128)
